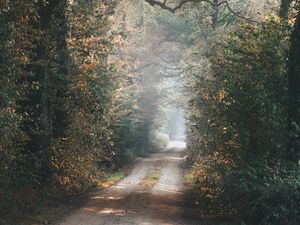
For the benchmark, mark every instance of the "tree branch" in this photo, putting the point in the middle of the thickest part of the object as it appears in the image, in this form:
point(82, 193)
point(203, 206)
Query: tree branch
point(163, 5)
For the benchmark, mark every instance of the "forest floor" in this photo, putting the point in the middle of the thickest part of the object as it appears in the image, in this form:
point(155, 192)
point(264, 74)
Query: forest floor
point(153, 193)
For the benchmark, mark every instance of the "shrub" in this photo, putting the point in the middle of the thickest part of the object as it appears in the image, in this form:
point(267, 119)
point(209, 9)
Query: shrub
point(158, 140)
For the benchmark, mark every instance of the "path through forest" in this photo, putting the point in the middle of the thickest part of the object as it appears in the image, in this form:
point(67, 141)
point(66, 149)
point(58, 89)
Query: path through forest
point(132, 202)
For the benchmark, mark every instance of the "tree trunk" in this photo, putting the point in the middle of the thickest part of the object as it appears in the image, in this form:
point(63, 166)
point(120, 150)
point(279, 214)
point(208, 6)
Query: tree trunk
point(61, 77)
point(39, 125)
point(215, 16)
point(294, 93)
point(284, 9)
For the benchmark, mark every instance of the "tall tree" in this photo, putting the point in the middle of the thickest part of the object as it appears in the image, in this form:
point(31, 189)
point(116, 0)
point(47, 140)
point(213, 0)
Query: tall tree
point(294, 92)
point(215, 15)
point(284, 9)
point(37, 104)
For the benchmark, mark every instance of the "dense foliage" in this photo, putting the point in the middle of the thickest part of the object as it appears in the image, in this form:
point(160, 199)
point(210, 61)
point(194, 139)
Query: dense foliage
point(238, 130)
point(69, 113)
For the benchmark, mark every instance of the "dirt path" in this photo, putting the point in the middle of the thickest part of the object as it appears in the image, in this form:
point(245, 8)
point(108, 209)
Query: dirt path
point(130, 202)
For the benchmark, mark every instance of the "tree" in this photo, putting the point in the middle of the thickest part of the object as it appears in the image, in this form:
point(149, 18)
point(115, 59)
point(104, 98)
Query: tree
point(40, 96)
point(294, 92)
point(284, 9)
point(9, 119)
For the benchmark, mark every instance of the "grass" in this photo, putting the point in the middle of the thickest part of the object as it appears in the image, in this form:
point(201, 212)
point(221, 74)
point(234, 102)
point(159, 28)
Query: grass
point(189, 177)
point(112, 179)
point(151, 178)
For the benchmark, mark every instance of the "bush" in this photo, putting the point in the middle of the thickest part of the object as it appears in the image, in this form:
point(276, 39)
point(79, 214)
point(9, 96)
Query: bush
point(259, 193)
point(238, 133)
point(158, 140)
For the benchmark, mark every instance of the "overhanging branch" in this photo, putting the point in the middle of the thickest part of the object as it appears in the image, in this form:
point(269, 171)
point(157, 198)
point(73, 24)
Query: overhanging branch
point(164, 5)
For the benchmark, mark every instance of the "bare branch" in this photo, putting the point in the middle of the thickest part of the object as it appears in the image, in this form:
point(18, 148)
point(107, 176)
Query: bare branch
point(182, 2)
